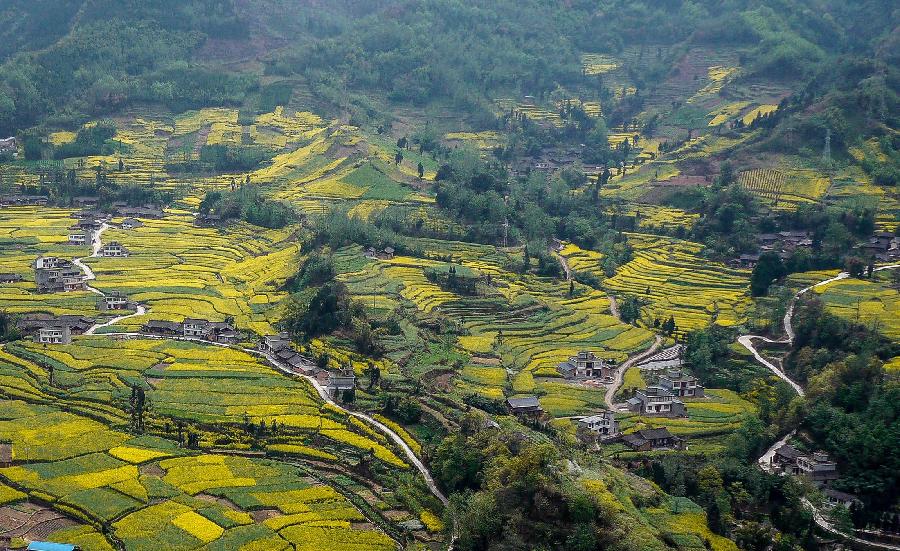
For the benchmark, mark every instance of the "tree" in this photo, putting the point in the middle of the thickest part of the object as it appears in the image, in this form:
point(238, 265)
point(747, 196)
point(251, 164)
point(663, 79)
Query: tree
point(137, 409)
point(767, 269)
point(374, 373)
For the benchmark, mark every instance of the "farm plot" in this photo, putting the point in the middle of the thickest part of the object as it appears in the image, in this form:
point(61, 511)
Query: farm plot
point(785, 189)
point(181, 271)
point(872, 302)
point(202, 384)
point(159, 496)
point(675, 281)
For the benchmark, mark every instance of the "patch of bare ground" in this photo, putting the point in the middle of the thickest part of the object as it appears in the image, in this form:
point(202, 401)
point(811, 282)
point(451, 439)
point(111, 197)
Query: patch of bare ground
point(261, 515)
point(151, 469)
point(31, 521)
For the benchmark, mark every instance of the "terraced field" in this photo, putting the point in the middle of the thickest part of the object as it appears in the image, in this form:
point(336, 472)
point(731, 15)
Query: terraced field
point(180, 271)
point(676, 281)
point(153, 493)
point(872, 302)
point(25, 234)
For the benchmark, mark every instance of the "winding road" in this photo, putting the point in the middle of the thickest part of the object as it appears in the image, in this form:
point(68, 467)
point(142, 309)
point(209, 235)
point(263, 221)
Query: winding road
point(96, 245)
point(765, 461)
point(619, 377)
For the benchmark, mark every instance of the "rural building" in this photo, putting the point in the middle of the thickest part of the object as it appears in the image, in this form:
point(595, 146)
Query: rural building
point(114, 300)
point(61, 334)
point(131, 223)
point(30, 324)
point(602, 424)
point(9, 145)
point(114, 249)
point(658, 402)
point(22, 200)
point(163, 328)
point(586, 365)
point(818, 467)
point(653, 439)
point(11, 278)
point(46, 262)
point(55, 275)
point(785, 459)
point(680, 384)
point(79, 236)
point(342, 381)
point(273, 343)
point(85, 201)
point(527, 406)
point(835, 497)
point(195, 328)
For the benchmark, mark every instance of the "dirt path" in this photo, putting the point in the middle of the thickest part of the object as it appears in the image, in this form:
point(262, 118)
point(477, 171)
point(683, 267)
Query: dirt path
point(620, 372)
point(563, 263)
point(614, 307)
point(747, 340)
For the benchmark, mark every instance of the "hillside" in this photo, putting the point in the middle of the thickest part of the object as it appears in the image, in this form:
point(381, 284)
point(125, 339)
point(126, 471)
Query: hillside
point(324, 275)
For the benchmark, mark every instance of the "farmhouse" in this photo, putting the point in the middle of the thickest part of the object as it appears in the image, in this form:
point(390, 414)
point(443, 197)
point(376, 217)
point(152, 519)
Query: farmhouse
point(526, 406)
point(680, 384)
point(131, 223)
point(658, 402)
point(114, 300)
point(818, 467)
point(785, 459)
point(160, 327)
point(46, 262)
point(8, 145)
point(85, 201)
point(273, 343)
point(586, 365)
point(11, 278)
point(114, 249)
point(60, 334)
point(836, 497)
point(55, 275)
point(653, 439)
point(22, 200)
point(602, 424)
point(342, 381)
point(80, 236)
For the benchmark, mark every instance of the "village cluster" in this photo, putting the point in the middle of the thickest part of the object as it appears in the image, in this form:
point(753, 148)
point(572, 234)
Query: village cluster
point(671, 383)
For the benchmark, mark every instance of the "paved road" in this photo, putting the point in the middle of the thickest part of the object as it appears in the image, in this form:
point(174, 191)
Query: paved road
point(620, 372)
point(766, 459)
